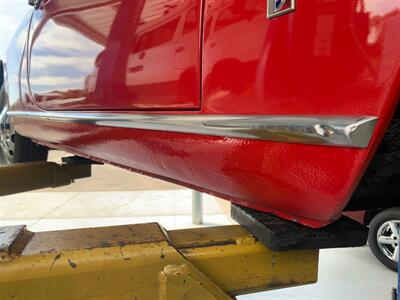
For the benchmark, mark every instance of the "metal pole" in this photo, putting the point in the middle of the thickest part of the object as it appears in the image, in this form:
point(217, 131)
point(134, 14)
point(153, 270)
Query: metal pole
point(396, 292)
point(197, 208)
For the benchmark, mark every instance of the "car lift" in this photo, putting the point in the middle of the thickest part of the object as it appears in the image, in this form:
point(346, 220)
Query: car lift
point(145, 261)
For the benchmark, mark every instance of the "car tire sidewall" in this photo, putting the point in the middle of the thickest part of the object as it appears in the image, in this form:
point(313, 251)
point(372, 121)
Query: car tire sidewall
point(3, 157)
point(377, 221)
point(25, 150)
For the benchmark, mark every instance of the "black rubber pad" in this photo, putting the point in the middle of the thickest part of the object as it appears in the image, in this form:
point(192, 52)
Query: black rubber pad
point(278, 234)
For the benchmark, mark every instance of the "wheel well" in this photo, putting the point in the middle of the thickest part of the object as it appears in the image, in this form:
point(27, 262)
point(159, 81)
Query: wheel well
point(370, 214)
point(379, 187)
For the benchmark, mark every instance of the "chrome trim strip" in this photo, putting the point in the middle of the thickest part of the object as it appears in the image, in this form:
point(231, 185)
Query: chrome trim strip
point(316, 130)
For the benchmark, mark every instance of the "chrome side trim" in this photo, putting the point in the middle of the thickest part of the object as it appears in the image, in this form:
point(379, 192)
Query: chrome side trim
point(318, 130)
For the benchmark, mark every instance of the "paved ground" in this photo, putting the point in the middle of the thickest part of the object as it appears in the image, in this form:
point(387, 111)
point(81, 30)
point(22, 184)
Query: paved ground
point(114, 196)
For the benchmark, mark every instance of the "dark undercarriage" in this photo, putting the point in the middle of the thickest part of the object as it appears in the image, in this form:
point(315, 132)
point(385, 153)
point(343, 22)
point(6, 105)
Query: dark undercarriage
point(380, 186)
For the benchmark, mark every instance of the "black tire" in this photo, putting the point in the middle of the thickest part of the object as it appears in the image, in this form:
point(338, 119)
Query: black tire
point(18, 149)
point(380, 225)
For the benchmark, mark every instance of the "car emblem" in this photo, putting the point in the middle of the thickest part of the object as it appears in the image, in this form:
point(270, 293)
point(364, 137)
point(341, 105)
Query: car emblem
point(276, 8)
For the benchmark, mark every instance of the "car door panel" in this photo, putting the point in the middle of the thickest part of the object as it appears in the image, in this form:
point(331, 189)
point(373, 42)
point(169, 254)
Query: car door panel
point(114, 55)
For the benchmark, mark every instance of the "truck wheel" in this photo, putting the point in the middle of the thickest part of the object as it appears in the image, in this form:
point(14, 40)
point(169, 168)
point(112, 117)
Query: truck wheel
point(383, 239)
point(14, 147)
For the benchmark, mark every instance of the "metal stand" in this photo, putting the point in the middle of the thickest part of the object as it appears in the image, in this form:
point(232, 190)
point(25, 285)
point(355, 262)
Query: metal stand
point(23, 177)
point(197, 208)
point(395, 292)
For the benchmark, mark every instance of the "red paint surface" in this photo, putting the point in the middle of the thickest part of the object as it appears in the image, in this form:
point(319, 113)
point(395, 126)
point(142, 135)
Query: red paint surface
point(116, 55)
point(327, 58)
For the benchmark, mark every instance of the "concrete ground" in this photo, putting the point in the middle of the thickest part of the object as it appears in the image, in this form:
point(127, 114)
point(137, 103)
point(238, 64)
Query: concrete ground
point(114, 196)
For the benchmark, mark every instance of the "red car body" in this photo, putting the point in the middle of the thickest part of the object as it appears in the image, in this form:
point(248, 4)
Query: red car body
point(103, 79)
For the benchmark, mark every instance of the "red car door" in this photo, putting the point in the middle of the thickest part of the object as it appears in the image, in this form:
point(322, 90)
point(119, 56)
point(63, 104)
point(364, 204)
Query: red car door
point(115, 55)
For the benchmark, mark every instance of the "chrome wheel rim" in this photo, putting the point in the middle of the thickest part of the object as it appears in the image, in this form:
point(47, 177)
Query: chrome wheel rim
point(7, 135)
point(388, 239)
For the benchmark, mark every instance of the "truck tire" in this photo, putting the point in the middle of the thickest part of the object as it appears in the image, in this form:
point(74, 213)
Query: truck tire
point(14, 147)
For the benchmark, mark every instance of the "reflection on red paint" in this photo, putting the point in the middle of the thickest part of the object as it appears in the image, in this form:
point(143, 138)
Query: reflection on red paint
point(128, 54)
